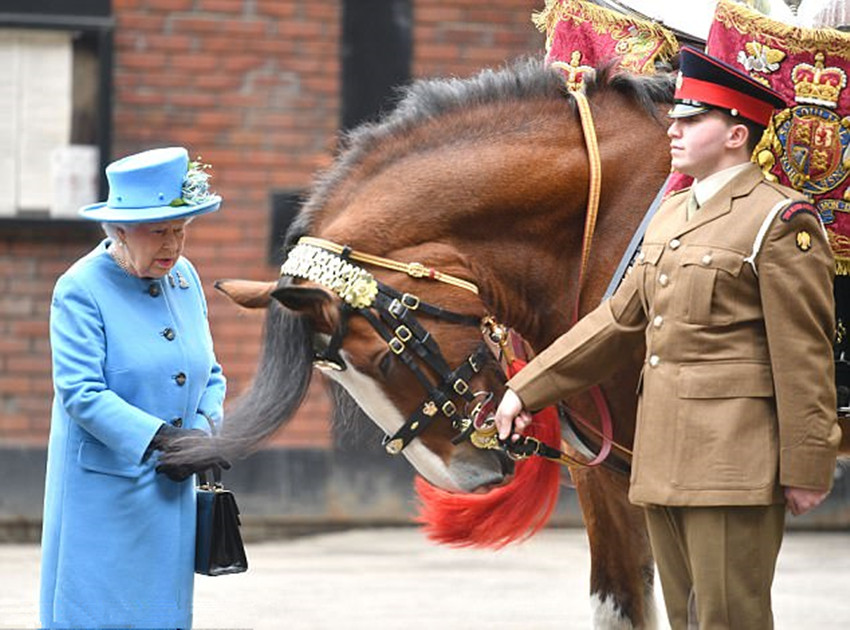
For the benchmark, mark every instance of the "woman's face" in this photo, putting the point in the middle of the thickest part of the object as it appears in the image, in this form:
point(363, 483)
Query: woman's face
point(152, 249)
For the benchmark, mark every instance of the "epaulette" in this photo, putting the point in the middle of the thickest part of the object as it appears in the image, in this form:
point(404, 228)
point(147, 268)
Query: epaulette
point(796, 208)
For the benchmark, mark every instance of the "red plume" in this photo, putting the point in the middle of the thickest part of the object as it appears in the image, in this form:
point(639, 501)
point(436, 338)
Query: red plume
point(511, 513)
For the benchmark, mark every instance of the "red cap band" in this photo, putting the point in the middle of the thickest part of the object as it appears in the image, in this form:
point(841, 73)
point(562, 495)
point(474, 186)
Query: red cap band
point(720, 96)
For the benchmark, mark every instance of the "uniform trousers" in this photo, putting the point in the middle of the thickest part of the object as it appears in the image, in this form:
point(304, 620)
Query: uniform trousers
point(723, 557)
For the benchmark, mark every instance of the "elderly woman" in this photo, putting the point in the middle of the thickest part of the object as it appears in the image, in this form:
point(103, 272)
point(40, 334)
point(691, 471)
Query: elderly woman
point(133, 369)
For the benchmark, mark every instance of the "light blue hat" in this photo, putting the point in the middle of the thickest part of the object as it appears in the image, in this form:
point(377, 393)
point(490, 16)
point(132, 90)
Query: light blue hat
point(155, 185)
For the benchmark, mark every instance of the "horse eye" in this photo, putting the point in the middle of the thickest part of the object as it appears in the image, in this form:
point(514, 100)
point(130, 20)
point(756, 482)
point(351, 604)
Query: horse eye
point(386, 364)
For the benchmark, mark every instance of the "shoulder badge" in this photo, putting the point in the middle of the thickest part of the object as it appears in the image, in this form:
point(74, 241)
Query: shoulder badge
point(799, 207)
point(804, 241)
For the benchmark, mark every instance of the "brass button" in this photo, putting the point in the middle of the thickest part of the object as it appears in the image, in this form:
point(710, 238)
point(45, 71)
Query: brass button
point(153, 290)
point(177, 422)
point(663, 280)
point(169, 334)
point(654, 360)
point(706, 260)
point(657, 321)
point(180, 379)
point(675, 243)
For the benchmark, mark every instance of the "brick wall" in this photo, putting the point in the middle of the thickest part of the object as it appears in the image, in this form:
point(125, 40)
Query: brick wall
point(253, 87)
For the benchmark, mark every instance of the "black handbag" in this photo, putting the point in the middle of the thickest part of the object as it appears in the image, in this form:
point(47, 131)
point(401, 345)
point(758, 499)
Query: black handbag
point(218, 542)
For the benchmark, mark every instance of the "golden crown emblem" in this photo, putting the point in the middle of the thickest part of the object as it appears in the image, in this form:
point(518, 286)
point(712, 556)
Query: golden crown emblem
point(816, 84)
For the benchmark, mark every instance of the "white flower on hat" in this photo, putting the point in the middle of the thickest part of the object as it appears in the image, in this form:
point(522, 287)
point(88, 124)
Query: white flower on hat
point(196, 187)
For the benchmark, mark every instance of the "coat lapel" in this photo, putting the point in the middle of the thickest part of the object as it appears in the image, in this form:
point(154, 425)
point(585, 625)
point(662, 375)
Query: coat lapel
point(720, 204)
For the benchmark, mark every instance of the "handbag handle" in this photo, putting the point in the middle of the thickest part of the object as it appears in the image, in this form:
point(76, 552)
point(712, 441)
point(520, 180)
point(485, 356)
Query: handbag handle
point(216, 470)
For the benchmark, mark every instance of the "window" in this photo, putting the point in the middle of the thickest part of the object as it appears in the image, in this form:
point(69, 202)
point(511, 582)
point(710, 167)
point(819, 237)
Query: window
point(54, 91)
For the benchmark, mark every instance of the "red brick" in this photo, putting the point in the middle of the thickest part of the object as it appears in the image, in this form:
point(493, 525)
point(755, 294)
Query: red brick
point(29, 365)
point(169, 43)
point(276, 8)
point(149, 61)
point(139, 22)
point(199, 25)
point(252, 28)
point(169, 6)
point(233, 7)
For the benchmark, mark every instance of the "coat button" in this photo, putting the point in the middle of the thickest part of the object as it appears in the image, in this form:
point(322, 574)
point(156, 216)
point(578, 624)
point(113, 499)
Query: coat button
point(663, 280)
point(674, 244)
point(706, 260)
point(168, 333)
point(153, 290)
point(657, 321)
point(654, 360)
point(641, 257)
point(177, 422)
point(180, 379)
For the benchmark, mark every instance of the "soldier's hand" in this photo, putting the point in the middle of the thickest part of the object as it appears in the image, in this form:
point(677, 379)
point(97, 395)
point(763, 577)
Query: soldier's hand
point(801, 500)
point(511, 417)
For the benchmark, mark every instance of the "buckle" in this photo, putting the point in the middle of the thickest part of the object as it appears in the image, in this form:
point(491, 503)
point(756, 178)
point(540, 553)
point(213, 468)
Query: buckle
point(460, 386)
point(396, 345)
point(395, 308)
point(449, 409)
point(410, 301)
point(394, 447)
point(473, 364)
point(403, 333)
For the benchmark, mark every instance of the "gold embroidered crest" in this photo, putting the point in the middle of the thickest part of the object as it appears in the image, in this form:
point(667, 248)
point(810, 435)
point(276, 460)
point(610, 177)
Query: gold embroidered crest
point(804, 241)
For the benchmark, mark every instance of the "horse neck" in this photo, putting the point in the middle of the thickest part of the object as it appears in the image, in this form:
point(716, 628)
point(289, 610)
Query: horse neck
point(635, 162)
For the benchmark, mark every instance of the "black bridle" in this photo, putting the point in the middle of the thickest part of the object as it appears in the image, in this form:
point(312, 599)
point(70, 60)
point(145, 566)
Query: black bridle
point(394, 316)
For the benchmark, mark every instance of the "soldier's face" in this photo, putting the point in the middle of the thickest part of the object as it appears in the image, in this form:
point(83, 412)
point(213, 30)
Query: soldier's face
point(699, 144)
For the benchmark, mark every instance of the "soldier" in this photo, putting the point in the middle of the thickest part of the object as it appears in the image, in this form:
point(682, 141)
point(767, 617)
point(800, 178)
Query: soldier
point(732, 290)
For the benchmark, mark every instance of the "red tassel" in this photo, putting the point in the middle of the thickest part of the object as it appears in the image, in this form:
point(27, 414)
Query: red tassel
point(508, 514)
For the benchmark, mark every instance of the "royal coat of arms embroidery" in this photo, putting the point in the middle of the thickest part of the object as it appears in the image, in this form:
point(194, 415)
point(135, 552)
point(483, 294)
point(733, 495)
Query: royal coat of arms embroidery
point(807, 145)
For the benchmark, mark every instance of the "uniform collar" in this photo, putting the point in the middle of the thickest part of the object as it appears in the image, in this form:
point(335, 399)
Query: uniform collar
point(739, 183)
point(705, 189)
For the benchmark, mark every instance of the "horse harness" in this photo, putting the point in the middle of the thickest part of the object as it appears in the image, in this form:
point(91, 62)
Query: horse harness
point(393, 315)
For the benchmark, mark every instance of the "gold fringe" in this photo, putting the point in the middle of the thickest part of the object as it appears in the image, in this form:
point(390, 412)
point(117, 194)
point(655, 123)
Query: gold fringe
point(602, 19)
point(842, 266)
point(793, 39)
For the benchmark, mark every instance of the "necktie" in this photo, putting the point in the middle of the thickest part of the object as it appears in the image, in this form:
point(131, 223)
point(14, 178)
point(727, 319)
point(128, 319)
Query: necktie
point(692, 205)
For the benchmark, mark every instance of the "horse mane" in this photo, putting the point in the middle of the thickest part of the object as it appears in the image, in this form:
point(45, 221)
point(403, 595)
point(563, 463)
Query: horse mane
point(425, 100)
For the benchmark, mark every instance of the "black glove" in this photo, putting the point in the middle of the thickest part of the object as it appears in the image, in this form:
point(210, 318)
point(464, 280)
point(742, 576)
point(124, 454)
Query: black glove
point(170, 439)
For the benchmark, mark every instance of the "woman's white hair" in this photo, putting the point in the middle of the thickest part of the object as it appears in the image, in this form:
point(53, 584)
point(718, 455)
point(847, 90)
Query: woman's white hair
point(110, 228)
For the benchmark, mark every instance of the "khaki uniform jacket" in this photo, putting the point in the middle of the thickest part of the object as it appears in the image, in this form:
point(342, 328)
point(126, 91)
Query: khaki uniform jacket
point(737, 394)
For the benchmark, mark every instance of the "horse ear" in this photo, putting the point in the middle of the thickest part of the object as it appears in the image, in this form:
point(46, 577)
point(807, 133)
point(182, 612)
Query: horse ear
point(247, 293)
point(313, 301)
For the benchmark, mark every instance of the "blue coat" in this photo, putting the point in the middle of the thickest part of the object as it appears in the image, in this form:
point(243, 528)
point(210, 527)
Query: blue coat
point(118, 541)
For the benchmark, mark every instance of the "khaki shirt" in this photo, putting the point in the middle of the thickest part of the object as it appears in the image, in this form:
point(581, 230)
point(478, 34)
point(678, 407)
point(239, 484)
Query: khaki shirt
point(737, 394)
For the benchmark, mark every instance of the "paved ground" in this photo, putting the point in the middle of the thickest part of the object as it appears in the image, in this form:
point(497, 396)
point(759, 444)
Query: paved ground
point(384, 579)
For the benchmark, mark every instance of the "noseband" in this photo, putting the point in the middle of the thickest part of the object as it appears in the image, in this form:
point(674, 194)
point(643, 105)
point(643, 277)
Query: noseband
point(393, 315)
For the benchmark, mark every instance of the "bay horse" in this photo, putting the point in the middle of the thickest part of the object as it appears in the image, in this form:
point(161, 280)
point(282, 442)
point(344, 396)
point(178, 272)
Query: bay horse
point(483, 181)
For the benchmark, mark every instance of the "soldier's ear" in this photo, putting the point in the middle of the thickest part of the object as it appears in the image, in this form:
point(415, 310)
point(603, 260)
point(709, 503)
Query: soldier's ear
point(737, 136)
